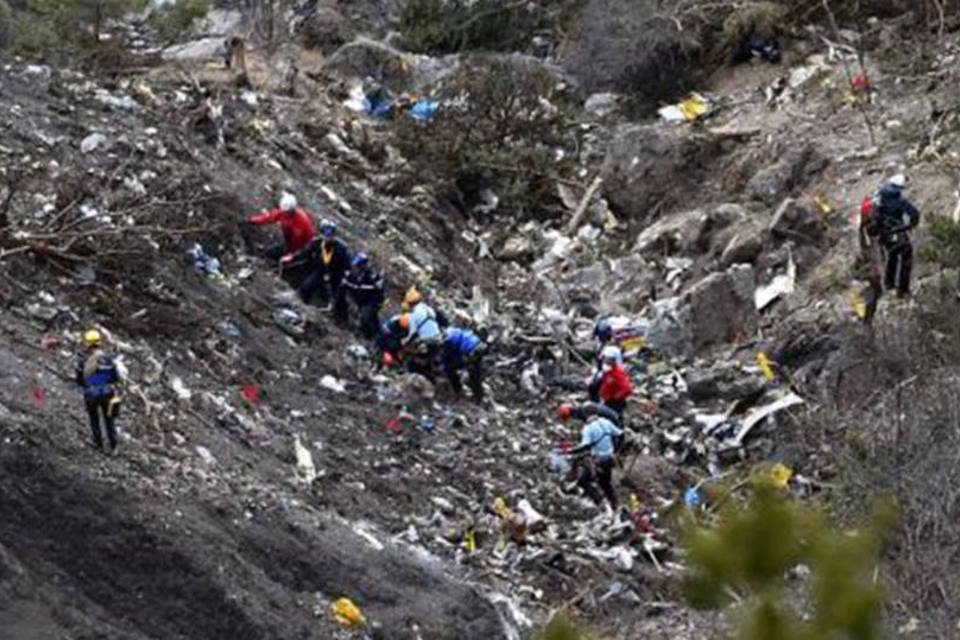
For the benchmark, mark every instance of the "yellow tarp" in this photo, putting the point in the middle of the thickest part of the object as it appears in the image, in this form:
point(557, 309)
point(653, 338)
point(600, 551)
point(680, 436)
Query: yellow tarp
point(780, 475)
point(347, 614)
point(694, 107)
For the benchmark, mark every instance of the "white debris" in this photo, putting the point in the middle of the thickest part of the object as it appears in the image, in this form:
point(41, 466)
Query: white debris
point(92, 142)
point(305, 467)
point(758, 414)
point(782, 285)
point(183, 393)
point(331, 383)
point(205, 454)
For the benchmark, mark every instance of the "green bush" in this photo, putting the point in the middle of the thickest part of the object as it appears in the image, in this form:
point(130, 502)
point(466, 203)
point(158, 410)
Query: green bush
point(499, 128)
point(943, 246)
point(448, 26)
point(753, 547)
point(172, 21)
point(45, 27)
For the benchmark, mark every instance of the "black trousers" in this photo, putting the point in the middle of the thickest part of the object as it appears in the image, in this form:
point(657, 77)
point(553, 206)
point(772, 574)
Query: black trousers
point(369, 320)
point(598, 471)
point(276, 251)
point(421, 358)
point(321, 283)
point(97, 407)
point(618, 406)
point(899, 267)
point(474, 369)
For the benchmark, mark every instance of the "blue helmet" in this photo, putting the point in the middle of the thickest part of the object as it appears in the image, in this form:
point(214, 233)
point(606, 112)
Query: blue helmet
point(328, 228)
point(360, 260)
point(603, 330)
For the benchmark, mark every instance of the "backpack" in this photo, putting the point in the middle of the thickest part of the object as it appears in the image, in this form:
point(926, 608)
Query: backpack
point(870, 215)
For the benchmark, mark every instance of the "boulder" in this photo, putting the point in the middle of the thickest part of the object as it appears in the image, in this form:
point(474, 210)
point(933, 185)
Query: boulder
point(670, 332)
point(324, 29)
point(397, 70)
point(743, 247)
point(723, 382)
point(793, 170)
point(794, 221)
point(721, 307)
point(646, 166)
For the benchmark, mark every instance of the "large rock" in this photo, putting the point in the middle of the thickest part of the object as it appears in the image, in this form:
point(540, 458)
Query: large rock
point(647, 166)
point(396, 69)
point(794, 221)
point(793, 170)
point(324, 29)
point(721, 308)
point(670, 330)
point(695, 232)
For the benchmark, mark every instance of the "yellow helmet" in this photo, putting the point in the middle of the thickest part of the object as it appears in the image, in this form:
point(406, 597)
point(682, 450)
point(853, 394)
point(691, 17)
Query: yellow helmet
point(413, 297)
point(92, 338)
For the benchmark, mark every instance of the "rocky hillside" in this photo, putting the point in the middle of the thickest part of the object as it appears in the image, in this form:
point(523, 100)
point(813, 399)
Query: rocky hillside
point(267, 469)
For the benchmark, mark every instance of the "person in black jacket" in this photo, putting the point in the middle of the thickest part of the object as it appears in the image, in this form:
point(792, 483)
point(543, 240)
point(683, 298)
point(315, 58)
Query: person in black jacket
point(890, 218)
point(364, 285)
point(328, 260)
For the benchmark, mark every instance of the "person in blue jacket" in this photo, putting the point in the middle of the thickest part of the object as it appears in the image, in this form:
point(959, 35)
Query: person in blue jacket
point(464, 349)
point(600, 437)
point(98, 375)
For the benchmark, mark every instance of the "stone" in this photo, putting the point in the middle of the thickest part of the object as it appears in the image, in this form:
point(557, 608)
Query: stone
point(644, 164)
point(793, 170)
point(602, 104)
point(721, 311)
point(794, 221)
point(743, 247)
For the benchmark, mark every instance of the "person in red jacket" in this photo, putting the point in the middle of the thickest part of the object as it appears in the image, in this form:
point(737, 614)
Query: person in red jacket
point(615, 384)
point(295, 223)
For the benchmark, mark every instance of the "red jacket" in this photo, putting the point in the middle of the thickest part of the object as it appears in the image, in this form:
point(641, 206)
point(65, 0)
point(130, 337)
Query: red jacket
point(297, 227)
point(615, 384)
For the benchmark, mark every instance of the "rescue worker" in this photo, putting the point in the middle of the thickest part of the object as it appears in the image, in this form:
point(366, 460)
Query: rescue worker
point(889, 216)
point(464, 349)
point(603, 332)
point(99, 376)
point(600, 437)
point(585, 411)
point(364, 285)
point(423, 338)
point(612, 386)
point(328, 260)
point(296, 224)
point(389, 342)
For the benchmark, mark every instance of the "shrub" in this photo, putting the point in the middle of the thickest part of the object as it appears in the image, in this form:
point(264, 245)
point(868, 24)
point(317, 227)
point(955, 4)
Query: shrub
point(44, 27)
point(500, 129)
point(753, 547)
point(943, 246)
point(172, 21)
point(448, 26)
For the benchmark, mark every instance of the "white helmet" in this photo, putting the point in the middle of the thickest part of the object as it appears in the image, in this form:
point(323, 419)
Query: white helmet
point(288, 202)
point(611, 355)
point(898, 180)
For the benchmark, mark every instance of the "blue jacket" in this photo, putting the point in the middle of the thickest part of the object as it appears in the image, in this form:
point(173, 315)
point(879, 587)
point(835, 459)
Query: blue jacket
point(458, 345)
point(894, 212)
point(98, 375)
point(365, 286)
point(598, 435)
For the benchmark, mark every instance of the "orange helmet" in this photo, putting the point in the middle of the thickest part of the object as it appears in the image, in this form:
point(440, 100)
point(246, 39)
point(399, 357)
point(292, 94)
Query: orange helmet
point(564, 411)
point(405, 321)
point(413, 297)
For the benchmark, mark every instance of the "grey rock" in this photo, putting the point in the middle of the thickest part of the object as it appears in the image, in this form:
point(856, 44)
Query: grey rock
point(793, 170)
point(721, 309)
point(794, 221)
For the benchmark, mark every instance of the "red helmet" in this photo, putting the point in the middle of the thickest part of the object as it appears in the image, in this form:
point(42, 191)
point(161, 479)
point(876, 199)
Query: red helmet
point(564, 411)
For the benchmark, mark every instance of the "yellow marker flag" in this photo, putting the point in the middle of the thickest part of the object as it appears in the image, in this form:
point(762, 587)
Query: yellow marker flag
point(766, 366)
point(859, 305)
point(470, 541)
point(825, 207)
point(780, 475)
point(347, 614)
